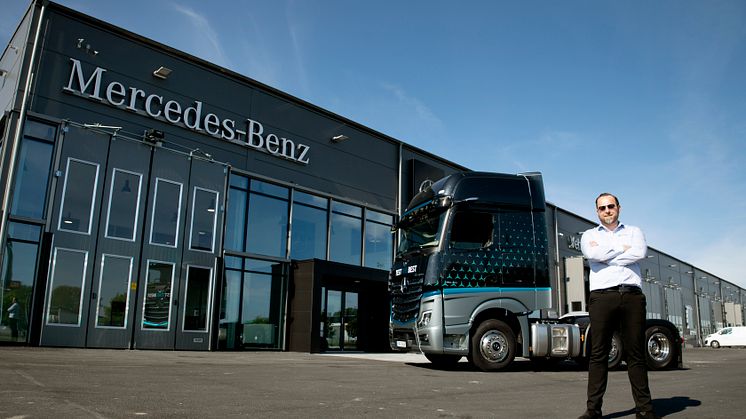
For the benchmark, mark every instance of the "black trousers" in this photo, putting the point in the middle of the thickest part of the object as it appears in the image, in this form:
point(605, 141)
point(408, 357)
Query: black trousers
point(623, 311)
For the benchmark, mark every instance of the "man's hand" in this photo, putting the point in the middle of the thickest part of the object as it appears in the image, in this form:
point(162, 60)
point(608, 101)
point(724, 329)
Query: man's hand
point(627, 247)
point(594, 244)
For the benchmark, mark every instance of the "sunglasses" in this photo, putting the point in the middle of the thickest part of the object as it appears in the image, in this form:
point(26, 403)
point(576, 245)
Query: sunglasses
point(603, 207)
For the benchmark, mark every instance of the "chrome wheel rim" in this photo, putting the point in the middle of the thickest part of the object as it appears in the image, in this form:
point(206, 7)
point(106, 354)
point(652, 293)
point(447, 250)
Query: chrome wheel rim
point(614, 350)
point(494, 346)
point(659, 346)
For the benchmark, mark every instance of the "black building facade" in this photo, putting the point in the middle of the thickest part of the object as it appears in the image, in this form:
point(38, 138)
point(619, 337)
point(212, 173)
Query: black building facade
point(153, 200)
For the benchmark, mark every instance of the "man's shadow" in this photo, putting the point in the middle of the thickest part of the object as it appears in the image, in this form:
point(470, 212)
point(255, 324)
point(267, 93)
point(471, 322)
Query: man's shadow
point(663, 407)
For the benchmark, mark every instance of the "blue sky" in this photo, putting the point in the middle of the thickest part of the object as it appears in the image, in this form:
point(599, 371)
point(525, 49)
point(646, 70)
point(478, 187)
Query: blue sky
point(643, 99)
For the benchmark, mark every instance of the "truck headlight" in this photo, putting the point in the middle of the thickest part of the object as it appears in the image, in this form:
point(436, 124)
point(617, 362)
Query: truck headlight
point(425, 319)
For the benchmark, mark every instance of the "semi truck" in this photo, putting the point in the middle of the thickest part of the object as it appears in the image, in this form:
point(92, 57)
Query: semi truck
point(471, 278)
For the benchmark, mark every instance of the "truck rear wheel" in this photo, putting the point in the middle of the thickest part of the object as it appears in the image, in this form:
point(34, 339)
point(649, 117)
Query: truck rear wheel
point(616, 352)
point(492, 346)
point(660, 348)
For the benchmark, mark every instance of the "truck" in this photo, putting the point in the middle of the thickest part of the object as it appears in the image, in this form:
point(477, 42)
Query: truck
point(471, 277)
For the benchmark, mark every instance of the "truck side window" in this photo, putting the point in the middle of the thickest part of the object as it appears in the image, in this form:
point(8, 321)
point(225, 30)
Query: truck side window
point(470, 230)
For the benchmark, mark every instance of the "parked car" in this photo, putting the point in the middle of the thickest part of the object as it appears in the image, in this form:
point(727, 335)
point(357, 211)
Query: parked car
point(727, 336)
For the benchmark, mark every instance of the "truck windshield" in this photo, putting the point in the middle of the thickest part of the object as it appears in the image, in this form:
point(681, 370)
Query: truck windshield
point(421, 232)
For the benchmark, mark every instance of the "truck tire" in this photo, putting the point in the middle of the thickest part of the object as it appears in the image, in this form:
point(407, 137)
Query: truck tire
point(715, 344)
point(616, 352)
point(443, 360)
point(660, 348)
point(493, 346)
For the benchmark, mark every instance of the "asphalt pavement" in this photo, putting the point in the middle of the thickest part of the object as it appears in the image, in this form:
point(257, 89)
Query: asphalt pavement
point(97, 383)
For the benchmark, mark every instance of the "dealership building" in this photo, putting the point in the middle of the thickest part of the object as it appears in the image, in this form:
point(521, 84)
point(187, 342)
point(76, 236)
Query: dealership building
point(153, 200)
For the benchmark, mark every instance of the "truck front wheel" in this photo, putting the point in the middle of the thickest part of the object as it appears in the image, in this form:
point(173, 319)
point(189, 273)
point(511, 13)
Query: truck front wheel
point(492, 346)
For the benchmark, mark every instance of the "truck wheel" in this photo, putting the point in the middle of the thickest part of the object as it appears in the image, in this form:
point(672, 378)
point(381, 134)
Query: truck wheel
point(615, 352)
point(443, 360)
point(660, 348)
point(715, 344)
point(492, 346)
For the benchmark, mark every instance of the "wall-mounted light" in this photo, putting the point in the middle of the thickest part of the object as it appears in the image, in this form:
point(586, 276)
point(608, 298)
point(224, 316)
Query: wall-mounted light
point(339, 138)
point(162, 72)
point(673, 265)
point(154, 137)
point(3, 73)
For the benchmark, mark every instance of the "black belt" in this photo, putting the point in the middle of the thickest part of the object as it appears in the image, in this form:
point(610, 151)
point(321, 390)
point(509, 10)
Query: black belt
point(621, 289)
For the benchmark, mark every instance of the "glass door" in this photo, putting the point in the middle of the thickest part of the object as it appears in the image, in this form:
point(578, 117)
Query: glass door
point(339, 317)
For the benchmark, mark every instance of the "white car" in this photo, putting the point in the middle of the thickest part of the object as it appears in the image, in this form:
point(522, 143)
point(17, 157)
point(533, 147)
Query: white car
point(727, 336)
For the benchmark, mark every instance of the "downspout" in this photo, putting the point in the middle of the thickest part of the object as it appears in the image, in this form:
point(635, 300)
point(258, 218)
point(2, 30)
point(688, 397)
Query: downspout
point(19, 126)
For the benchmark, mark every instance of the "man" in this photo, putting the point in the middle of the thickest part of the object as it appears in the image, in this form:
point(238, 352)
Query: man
point(616, 303)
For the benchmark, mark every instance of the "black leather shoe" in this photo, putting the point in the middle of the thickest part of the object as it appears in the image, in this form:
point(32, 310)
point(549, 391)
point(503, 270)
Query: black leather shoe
point(647, 415)
point(591, 414)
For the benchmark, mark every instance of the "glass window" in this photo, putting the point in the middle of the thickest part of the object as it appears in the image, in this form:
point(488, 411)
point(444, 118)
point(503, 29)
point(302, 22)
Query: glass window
point(309, 230)
point(166, 213)
point(471, 230)
point(204, 219)
point(124, 199)
point(157, 305)
point(66, 295)
point(32, 179)
point(269, 189)
point(22, 231)
point(40, 130)
point(197, 298)
point(379, 217)
point(346, 234)
point(347, 209)
point(230, 309)
point(233, 262)
point(238, 181)
point(259, 329)
point(310, 200)
point(268, 225)
point(113, 291)
point(236, 220)
point(379, 245)
point(252, 306)
point(18, 274)
point(78, 196)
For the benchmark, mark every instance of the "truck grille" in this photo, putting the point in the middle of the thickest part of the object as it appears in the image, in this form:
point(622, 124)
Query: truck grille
point(405, 295)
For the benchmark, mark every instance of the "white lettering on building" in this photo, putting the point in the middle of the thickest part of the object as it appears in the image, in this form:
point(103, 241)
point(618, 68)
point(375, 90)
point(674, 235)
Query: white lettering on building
point(190, 117)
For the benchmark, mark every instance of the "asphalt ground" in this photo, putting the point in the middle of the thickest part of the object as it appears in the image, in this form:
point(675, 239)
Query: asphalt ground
point(95, 383)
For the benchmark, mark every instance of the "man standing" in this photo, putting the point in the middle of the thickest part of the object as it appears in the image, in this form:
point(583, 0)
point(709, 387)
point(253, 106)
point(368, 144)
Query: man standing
point(616, 303)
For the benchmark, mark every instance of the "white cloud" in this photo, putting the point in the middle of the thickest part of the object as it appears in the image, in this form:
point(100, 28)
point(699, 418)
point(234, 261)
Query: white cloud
point(205, 41)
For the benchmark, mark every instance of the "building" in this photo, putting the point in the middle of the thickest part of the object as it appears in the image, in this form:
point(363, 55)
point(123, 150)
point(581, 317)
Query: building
point(153, 200)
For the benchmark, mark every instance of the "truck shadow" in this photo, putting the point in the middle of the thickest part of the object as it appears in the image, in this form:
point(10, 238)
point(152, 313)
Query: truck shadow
point(519, 365)
point(663, 407)
point(525, 365)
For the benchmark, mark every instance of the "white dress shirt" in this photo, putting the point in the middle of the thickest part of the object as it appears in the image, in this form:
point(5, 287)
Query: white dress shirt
point(610, 264)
